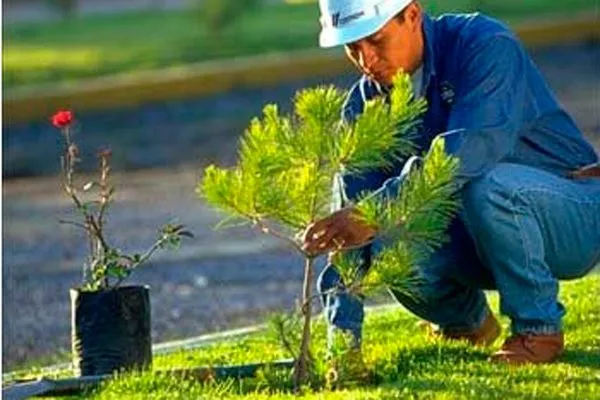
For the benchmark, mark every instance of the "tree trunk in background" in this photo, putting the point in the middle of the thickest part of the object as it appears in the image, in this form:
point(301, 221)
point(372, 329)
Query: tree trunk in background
point(67, 8)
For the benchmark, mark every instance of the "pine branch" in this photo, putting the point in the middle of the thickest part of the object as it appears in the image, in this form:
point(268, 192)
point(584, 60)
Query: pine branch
point(270, 231)
point(414, 224)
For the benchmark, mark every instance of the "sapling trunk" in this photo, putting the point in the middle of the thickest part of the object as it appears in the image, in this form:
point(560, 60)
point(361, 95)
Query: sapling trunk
point(302, 367)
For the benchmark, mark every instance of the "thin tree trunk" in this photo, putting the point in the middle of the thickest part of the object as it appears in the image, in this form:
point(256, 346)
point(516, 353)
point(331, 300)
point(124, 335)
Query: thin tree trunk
point(301, 370)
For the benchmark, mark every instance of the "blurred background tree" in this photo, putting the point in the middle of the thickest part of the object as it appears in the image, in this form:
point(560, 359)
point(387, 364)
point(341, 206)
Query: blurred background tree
point(217, 15)
point(66, 8)
point(478, 5)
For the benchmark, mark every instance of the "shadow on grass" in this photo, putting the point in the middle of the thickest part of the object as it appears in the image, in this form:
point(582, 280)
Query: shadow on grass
point(443, 369)
point(437, 353)
point(581, 358)
point(422, 387)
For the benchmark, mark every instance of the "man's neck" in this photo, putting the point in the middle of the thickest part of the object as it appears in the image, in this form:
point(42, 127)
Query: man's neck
point(417, 80)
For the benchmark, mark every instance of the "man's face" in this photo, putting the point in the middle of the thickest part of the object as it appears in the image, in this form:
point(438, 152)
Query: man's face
point(398, 45)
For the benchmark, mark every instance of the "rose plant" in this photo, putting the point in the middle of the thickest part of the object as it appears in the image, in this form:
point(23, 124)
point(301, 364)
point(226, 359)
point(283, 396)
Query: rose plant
point(110, 323)
point(106, 266)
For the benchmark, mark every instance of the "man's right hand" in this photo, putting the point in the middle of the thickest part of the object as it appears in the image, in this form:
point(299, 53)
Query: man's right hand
point(341, 230)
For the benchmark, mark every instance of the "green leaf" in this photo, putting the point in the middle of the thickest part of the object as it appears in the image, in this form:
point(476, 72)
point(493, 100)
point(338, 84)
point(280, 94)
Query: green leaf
point(118, 271)
point(187, 234)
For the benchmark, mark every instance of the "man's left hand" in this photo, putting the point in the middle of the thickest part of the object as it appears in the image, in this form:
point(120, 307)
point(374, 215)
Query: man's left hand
point(341, 230)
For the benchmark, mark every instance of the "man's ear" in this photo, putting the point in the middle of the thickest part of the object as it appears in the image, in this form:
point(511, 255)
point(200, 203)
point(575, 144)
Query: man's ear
point(414, 15)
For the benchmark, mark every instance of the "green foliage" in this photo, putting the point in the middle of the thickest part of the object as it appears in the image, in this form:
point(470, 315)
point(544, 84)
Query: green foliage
point(111, 266)
point(287, 163)
point(219, 14)
point(286, 331)
point(413, 225)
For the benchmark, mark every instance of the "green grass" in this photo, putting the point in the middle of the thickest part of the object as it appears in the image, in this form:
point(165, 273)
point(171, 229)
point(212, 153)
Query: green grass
point(406, 362)
point(91, 46)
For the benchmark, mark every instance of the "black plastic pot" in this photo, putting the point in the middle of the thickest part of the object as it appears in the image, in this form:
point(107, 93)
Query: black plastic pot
point(110, 330)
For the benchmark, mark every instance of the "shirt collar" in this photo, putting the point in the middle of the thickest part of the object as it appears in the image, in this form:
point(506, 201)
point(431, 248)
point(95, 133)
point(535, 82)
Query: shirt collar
point(429, 56)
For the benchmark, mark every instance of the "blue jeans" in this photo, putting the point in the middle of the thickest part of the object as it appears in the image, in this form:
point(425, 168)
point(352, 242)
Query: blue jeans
point(520, 231)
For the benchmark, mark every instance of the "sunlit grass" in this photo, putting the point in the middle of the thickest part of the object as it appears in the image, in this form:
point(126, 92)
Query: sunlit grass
point(101, 45)
point(406, 363)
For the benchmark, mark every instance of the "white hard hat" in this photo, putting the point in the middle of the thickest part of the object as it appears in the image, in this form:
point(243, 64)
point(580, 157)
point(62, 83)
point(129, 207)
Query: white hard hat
point(346, 21)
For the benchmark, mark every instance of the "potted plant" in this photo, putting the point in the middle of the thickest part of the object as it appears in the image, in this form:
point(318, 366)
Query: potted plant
point(110, 323)
point(282, 184)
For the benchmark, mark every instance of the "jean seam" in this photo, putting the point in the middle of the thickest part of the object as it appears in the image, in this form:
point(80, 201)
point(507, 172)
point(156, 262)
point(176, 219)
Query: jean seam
point(543, 189)
point(525, 244)
point(523, 191)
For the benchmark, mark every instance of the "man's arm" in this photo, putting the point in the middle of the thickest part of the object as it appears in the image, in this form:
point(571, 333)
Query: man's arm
point(485, 121)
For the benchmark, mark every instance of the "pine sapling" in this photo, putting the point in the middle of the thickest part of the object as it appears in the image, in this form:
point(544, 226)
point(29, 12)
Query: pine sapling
point(283, 179)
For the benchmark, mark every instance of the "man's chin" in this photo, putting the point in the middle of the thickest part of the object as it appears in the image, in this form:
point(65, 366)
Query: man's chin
point(382, 79)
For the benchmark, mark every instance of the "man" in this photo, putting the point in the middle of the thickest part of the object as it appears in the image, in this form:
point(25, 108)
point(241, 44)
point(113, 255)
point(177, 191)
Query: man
point(528, 179)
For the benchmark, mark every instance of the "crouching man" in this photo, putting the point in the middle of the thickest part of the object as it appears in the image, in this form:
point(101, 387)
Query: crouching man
point(529, 181)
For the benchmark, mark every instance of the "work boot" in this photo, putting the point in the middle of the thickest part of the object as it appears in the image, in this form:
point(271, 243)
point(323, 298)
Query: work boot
point(485, 335)
point(530, 349)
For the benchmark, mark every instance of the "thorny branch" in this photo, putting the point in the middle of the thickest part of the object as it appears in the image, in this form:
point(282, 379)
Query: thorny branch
point(104, 261)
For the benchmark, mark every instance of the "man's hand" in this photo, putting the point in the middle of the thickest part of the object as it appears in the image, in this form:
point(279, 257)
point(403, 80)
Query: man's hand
point(341, 230)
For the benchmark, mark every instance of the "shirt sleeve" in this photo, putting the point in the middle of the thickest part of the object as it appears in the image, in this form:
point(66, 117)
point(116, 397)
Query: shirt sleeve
point(485, 121)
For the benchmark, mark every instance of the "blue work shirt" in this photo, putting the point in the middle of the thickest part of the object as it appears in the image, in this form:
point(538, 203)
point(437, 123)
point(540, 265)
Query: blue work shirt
point(486, 98)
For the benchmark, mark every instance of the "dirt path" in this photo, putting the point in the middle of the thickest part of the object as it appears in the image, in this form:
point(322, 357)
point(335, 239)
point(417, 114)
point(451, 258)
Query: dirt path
point(218, 280)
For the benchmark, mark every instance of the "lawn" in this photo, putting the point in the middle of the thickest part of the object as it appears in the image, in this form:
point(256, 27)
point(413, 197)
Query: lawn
point(92, 46)
point(406, 362)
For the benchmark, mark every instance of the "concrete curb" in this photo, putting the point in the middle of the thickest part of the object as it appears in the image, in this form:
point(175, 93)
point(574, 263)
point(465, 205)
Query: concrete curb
point(37, 103)
point(27, 104)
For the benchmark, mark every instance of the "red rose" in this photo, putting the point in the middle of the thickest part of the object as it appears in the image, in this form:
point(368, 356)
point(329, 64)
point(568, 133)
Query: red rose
point(62, 118)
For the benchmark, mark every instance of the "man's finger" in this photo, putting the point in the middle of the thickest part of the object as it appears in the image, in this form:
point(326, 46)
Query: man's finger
point(316, 230)
point(321, 244)
point(316, 247)
point(338, 244)
point(328, 239)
